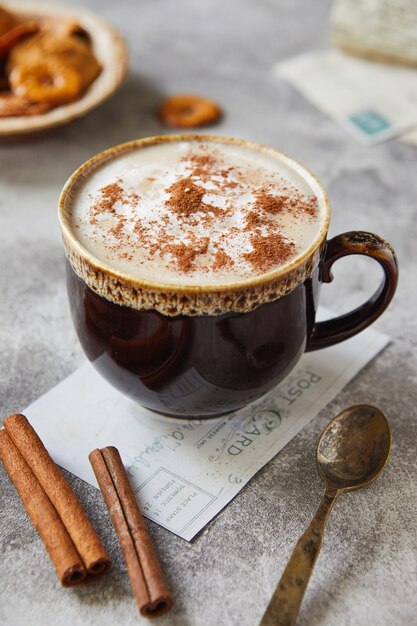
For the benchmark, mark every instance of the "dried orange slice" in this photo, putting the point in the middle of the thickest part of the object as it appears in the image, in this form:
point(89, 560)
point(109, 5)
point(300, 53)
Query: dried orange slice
point(16, 34)
point(13, 106)
point(62, 28)
point(48, 81)
point(69, 50)
point(188, 111)
point(7, 21)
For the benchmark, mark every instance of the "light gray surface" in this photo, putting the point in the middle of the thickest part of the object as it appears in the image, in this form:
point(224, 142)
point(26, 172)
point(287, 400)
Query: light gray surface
point(367, 570)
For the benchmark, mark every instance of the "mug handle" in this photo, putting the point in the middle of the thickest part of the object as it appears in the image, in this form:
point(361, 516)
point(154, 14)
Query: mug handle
point(333, 331)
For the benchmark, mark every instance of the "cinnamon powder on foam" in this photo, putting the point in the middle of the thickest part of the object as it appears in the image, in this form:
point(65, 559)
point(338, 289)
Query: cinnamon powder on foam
point(269, 247)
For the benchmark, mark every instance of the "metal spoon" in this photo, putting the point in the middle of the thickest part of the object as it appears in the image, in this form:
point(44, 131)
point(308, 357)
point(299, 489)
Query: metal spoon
point(351, 453)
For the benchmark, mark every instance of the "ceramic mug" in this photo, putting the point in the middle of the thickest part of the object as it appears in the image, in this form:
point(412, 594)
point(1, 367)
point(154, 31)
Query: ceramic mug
point(218, 348)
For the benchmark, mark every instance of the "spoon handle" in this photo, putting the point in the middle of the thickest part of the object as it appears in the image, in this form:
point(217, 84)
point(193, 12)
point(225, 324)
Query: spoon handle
point(285, 603)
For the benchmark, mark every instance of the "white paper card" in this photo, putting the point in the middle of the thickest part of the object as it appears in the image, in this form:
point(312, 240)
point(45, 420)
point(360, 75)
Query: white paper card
point(183, 473)
point(373, 101)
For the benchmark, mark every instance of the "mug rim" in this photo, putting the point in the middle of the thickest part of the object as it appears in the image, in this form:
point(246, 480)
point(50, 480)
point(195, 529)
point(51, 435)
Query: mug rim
point(83, 171)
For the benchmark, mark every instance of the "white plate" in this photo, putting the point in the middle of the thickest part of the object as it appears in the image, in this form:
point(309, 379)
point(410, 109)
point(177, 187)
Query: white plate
point(109, 49)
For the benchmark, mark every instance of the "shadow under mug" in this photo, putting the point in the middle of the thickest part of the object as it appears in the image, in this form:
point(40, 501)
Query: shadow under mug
point(204, 364)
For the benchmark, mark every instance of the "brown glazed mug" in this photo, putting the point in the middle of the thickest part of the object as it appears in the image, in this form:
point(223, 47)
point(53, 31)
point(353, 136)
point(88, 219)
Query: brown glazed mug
point(193, 351)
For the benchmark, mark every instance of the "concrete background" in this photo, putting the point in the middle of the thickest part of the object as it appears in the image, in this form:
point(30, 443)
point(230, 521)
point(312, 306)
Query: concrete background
point(366, 572)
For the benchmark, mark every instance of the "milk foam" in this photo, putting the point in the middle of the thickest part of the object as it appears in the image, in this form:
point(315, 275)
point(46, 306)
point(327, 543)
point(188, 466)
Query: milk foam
point(122, 213)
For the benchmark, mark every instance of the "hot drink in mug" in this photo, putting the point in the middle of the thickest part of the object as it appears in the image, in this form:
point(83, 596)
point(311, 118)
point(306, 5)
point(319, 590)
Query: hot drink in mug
point(194, 266)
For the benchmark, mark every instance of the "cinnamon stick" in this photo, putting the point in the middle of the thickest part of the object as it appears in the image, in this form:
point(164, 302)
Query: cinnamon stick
point(64, 556)
point(148, 582)
point(66, 503)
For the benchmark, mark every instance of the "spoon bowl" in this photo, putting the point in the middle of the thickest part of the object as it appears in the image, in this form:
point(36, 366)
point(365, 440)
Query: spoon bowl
point(353, 450)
